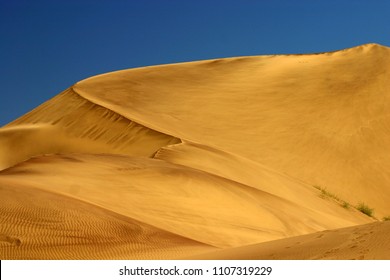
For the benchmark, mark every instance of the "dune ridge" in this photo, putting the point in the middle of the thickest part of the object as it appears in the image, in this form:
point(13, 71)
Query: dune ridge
point(208, 159)
point(329, 104)
point(70, 124)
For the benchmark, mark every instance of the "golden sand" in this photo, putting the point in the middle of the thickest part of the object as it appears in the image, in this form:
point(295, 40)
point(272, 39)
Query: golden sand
point(248, 157)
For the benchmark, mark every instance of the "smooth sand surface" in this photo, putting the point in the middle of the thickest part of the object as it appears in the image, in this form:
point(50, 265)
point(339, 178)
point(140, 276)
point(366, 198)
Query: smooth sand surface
point(207, 159)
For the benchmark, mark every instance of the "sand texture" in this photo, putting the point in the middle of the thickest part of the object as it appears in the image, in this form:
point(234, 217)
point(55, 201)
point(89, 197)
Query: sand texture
point(363, 242)
point(265, 157)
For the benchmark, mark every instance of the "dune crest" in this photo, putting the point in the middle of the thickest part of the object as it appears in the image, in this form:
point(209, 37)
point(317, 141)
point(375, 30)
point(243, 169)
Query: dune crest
point(70, 124)
point(315, 115)
point(202, 158)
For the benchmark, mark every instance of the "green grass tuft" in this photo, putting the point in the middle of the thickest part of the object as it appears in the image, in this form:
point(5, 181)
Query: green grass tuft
point(365, 209)
point(345, 205)
point(325, 194)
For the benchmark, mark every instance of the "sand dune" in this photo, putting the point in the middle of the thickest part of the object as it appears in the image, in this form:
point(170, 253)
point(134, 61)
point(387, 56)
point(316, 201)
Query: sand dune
point(180, 200)
point(321, 118)
point(70, 124)
point(212, 158)
point(39, 224)
point(370, 241)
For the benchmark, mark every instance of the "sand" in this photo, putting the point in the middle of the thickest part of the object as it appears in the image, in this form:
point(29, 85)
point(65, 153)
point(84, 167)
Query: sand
point(364, 242)
point(247, 158)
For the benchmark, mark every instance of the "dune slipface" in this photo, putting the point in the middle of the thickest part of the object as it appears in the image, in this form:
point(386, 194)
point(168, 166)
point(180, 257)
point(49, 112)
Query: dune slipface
point(230, 158)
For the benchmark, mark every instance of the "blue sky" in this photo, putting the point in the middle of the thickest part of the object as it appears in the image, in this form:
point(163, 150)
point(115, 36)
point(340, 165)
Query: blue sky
point(47, 45)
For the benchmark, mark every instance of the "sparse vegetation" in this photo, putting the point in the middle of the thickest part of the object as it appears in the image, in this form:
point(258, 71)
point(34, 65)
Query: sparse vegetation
point(365, 209)
point(362, 207)
point(386, 218)
point(346, 205)
point(326, 194)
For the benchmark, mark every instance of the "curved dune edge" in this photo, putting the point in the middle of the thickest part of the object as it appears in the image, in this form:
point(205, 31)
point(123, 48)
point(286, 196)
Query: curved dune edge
point(181, 200)
point(69, 123)
point(203, 155)
point(257, 176)
point(363, 242)
point(320, 118)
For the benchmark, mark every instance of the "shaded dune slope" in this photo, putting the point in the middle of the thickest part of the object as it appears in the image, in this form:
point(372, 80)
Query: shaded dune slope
point(69, 123)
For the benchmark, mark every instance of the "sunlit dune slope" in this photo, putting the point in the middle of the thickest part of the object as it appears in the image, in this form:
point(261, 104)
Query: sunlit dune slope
point(369, 241)
point(184, 201)
point(322, 118)
point(250, 173)
point(187, 159)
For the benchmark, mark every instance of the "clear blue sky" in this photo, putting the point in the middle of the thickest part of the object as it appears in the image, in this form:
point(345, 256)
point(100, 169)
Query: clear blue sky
point(47, 45)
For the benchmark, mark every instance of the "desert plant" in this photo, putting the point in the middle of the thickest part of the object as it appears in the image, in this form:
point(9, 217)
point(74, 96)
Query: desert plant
point(326, 194)
point(345, 205)
point(317, 187)
point(365, 209)
point(386, 218)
